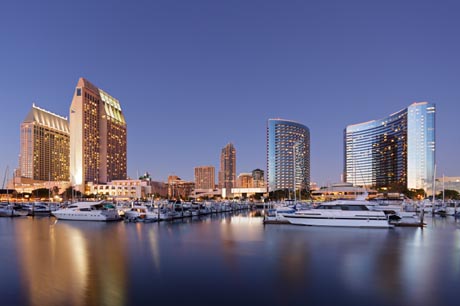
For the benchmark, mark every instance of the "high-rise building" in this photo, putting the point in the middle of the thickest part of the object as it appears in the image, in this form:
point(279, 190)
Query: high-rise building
point(227, 173)
point(205, 177)
point(178, 188)
point(98, 144)
point(288, 155)
point(45, 146)
point(245, 180)
point(258, 178)
point(396, 150)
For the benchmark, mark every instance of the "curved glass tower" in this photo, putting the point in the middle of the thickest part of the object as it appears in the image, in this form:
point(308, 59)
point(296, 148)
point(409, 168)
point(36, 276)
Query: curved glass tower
point(288, 155)
point(396, 150)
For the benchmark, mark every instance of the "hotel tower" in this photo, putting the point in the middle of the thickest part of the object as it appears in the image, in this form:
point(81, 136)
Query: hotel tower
point(205, 177)
point(227, 173)
point(98, 136)
point(288, 155)
point(44, 146)
point(396, 150)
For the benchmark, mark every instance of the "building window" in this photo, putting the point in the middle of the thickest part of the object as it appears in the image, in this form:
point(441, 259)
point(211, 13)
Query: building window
point(79, 92)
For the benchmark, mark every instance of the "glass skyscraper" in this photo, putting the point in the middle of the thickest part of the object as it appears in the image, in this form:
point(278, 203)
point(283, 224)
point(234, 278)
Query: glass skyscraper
point(288, 155)
point(396, 150)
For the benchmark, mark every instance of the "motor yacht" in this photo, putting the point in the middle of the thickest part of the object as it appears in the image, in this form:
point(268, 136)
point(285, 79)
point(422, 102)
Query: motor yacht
point(8, 210)
point(340, 214)
point(88, 211)
point(39, 208)
point(141, 212)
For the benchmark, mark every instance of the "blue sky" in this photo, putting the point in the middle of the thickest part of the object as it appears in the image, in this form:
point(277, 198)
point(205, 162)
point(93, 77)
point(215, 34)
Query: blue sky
point(194, 75)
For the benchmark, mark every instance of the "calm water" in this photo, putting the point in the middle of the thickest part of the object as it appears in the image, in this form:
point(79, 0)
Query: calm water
point(226, 260)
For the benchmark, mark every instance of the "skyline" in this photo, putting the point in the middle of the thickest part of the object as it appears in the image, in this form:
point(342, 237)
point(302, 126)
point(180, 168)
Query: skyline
point(193, 77)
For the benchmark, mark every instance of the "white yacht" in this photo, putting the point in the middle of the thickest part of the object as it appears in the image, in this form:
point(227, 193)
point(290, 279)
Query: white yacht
point(88, 211)
point(141, 212)
point(7, 210)
point(340, 214)
point(39, 208)
point(277, 214)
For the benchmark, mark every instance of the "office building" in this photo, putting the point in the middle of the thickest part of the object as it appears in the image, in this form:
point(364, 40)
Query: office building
point(288, 155)
point(205, 177)
point(245, 180)
point(98, 144)
point(122, 189)
point(44, 146)
point(227, 173)
point(178, 189)
point(398, 150)
point(258, 178)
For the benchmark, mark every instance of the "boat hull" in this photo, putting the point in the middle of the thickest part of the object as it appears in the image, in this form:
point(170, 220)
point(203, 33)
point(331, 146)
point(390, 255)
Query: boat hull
point(344, 221)
point(75, 216)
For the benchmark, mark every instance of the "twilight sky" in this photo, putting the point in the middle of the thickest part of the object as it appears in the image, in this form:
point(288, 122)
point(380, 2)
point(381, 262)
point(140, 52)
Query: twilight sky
point(192, 76)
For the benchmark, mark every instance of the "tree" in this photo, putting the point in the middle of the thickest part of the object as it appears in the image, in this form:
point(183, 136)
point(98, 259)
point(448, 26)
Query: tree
point(415, 194)
point(67, 194)
point(279, 194)
point(41, 193)
point(449, 195)
point(305, 194)
point(55, 190)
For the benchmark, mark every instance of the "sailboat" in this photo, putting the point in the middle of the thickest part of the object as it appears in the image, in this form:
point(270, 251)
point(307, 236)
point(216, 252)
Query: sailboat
point(7, 209)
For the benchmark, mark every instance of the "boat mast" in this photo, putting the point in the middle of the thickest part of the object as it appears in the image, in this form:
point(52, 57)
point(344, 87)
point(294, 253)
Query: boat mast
point(433, 191)
point(443, 190)
point(5, 178)
point(49, 184)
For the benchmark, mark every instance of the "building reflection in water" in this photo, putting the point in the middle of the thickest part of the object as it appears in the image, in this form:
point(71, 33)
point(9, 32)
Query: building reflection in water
point(71, 263)
point(85, 263)
point(369, 266)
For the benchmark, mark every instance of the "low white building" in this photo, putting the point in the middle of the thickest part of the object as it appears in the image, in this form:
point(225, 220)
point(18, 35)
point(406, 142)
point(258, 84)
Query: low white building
point(247, 192)
point(341, 191)
point(122, 189)
point(202, 193)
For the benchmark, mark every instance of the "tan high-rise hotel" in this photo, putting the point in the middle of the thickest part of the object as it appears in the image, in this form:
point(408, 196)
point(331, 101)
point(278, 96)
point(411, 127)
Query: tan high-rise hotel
point(205, 177)
point(97, 136)
point(44, 146)
point(227, 173)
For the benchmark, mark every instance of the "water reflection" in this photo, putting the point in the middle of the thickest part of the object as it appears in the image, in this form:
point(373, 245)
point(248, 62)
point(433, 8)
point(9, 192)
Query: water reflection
point(227, 260)
point(71, 263)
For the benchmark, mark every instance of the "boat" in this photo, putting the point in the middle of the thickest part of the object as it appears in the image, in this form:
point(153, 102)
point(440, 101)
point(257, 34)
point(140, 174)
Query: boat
point(340, 213)
point(276, 215)
point(141, 212)
point(166, 215)
point(8, 210)
point(39, 208)
point(88, 211)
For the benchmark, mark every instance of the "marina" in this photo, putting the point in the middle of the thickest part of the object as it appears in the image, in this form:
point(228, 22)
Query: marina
point(194, 260)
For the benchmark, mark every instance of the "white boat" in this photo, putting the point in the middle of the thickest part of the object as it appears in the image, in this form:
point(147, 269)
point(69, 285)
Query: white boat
point(166, 215)
point(7, 210)
point(340, 214)
point(39, 208)
point(88, 211)
point(141, 212)
point(277, 214)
